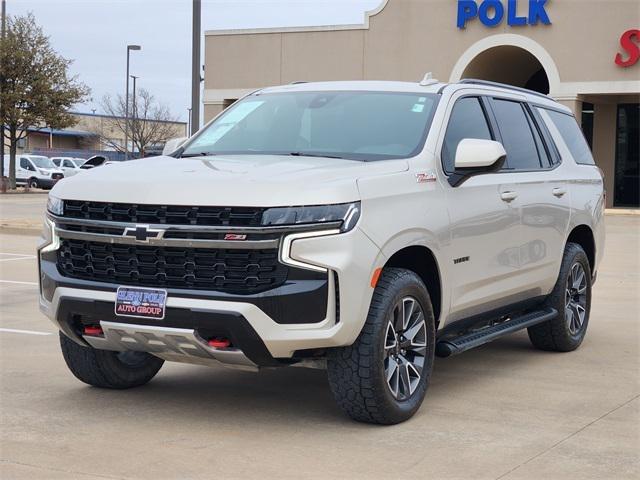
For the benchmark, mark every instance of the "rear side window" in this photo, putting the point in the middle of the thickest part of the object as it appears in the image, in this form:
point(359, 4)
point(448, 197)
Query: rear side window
point(467, 121)
point(573, 137)
point(517, 137)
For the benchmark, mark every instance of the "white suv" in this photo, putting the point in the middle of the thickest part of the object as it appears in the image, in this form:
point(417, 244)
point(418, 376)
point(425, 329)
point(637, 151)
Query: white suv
point(70, 166)
point(362, 227)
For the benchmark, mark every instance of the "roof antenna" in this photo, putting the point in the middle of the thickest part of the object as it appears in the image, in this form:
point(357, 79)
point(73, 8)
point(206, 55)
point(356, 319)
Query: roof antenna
point(428, 80)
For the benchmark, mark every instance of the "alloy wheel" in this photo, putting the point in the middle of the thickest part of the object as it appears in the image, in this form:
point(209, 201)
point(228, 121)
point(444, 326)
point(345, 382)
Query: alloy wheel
point(576, 298)
point(405, 348)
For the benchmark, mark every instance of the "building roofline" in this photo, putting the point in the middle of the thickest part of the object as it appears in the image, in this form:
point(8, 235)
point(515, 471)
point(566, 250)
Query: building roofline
point(311, 28)
point(102, 115)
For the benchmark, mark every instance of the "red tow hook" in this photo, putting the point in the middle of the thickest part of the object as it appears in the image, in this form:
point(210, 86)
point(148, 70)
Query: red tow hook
point(94, 331)
point(219, 342)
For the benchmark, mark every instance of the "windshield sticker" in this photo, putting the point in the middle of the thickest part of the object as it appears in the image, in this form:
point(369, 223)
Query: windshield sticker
point(418, 108)
point(240, 111)
point(422, 99)
point(212, 135)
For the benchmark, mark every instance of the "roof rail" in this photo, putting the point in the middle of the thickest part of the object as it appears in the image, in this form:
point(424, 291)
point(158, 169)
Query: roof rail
point(298, 82)
point(476, 81)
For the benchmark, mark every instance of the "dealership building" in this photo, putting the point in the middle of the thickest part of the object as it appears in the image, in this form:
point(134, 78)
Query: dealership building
point(585, 54)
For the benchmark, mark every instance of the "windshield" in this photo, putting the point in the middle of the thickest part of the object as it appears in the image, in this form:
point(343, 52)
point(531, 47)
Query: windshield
point(351, 125)
point(42, 162)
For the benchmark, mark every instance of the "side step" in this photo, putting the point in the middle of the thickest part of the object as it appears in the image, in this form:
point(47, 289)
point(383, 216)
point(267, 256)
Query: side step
point(458, 344)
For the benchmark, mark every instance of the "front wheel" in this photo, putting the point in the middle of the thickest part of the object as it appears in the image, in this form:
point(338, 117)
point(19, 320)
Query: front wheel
point(571, 297)
point(107, 369)
point(383, 377)
point(33, 183)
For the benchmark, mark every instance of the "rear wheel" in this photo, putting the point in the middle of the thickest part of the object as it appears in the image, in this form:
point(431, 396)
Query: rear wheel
point(107, 369)
point(383, 377)
point(571, 297)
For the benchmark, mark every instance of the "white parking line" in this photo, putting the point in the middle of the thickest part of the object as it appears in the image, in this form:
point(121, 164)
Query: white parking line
point(19, 283)
point(27, 332)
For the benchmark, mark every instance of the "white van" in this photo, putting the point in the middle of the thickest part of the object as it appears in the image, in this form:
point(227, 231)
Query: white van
point(70, 166)
point(36, 171)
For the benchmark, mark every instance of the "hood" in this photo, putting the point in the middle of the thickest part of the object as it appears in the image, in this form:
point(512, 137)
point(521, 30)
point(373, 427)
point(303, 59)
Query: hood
point(237, 180)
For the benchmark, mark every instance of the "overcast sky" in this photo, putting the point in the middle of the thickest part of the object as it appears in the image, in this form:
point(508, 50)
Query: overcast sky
point(94, 33)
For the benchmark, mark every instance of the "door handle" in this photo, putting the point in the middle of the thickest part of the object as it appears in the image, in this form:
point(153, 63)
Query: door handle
point(508, 196)
point(559, 192)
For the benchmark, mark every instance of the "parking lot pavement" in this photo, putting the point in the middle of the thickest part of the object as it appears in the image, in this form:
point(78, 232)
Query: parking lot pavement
point(23, 206)
point(502, 411)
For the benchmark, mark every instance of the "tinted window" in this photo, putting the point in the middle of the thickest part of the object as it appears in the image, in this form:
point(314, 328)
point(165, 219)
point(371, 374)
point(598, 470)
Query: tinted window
point(68, 164)
point(517, 137)
point(467, 121)
point(543, 152)
point(24, 163)
point(572, 136)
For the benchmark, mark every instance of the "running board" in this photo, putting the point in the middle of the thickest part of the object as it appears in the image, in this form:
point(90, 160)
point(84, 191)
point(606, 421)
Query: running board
point(458, 344)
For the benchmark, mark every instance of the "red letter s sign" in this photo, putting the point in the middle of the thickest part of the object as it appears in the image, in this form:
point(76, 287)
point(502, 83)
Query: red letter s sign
point(629, 43)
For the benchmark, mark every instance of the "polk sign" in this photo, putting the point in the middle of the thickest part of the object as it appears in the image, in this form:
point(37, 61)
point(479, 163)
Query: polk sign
point(492, 13)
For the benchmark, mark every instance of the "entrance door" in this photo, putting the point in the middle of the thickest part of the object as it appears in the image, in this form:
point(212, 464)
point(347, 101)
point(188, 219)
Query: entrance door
point(627, 174)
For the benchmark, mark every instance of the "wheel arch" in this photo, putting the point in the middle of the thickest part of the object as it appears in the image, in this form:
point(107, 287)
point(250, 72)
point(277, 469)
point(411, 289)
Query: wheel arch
point(421, 260)
point(583, 236)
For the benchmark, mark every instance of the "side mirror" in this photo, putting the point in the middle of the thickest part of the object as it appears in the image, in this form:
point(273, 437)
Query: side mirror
point(173, 144)
point(475, 156)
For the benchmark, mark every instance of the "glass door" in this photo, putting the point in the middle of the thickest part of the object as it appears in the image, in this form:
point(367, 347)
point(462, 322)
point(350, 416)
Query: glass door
point(627, 175)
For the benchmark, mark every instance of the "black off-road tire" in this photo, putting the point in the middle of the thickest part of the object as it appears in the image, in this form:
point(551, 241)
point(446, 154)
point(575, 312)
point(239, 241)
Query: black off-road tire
point(555, 334)
point(106, 369)
point(357, 374)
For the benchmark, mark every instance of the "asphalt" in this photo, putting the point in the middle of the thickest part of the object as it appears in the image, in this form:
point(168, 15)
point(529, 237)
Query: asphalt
point(502, 411)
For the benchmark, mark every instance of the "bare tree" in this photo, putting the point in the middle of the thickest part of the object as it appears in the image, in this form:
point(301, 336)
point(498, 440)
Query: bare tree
point(150, 122)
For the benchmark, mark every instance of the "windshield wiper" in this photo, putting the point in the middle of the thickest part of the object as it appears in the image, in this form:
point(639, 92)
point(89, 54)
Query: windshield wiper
point(199, 154)
point(307, 154)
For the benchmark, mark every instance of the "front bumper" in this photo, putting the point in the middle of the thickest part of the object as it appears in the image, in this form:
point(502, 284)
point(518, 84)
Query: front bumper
point(270, 328)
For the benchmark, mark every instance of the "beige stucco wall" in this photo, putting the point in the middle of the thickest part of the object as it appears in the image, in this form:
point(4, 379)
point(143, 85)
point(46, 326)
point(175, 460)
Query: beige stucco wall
point(407, 38)
point(410, 37)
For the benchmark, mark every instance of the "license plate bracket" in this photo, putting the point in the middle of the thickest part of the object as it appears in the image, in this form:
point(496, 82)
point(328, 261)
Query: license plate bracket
point(140, 302)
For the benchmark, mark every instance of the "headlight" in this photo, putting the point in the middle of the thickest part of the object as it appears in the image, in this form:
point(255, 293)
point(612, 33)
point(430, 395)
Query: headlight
point(347, 213)
point(55, 205)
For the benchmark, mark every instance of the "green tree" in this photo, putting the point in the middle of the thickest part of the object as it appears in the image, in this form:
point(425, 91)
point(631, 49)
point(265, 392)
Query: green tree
point(36, 89)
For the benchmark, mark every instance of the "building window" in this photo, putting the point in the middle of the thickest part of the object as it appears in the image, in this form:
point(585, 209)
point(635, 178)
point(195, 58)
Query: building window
point(587, 123)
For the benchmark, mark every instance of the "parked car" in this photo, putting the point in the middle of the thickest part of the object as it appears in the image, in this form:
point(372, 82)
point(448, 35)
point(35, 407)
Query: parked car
point(361, 227)
point(35, 171)
point(70, 166)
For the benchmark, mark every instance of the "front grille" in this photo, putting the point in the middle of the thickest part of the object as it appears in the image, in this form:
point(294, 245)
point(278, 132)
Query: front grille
point(164, 214)
point(225, 270)
point(57, 176)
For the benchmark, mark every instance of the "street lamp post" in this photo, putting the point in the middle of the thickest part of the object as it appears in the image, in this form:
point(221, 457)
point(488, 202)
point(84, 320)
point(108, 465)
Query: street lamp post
point(126, 104)
point(195, 68)
point(2, 33)
point(135, 111)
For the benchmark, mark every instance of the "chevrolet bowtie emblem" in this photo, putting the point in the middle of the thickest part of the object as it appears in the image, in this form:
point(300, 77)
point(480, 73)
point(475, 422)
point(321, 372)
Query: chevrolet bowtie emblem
point(142, 233)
